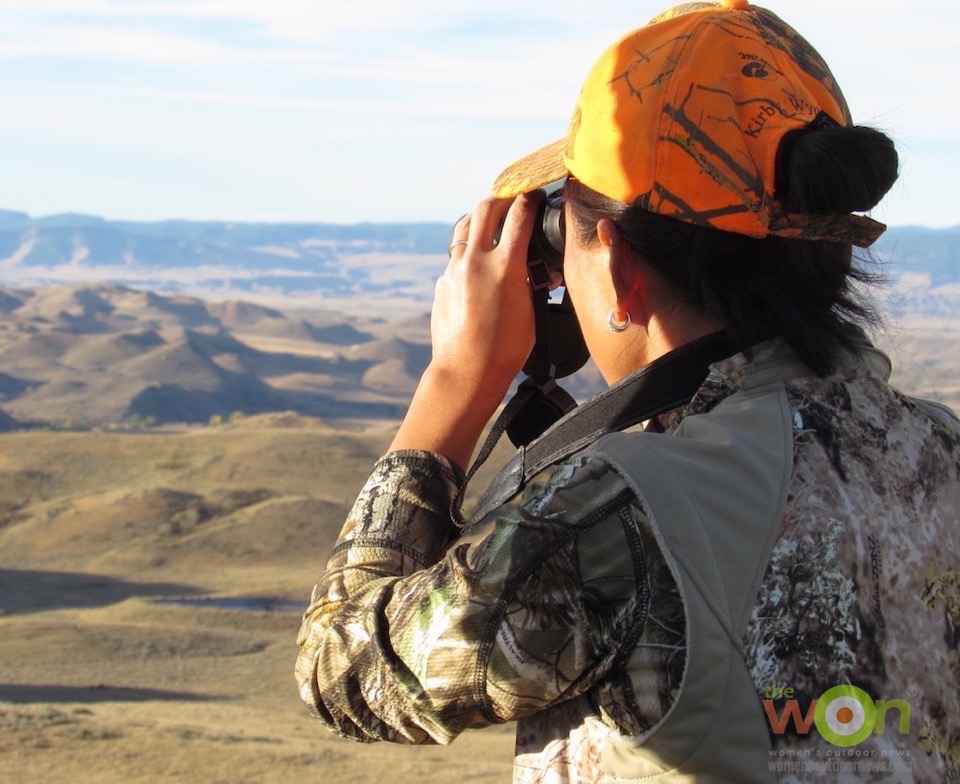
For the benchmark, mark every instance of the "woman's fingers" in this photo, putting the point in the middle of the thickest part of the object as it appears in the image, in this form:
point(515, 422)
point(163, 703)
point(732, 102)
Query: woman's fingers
point(482, 319)
point(518, 224)
point(484, 224)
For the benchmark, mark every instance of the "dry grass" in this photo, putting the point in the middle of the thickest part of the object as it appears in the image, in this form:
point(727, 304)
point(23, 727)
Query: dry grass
point(104, 681)
point(926, 358)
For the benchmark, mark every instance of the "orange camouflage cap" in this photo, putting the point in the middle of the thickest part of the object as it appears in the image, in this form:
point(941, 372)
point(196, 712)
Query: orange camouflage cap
point(685, 116)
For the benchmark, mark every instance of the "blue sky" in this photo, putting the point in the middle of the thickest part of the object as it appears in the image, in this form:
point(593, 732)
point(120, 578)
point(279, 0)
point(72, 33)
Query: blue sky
point(381, 110)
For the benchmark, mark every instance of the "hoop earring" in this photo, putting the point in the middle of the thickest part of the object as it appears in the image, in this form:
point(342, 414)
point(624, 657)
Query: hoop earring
point(619, 326)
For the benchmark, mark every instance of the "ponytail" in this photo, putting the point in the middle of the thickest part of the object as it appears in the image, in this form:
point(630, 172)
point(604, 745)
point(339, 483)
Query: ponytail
point(809, 292)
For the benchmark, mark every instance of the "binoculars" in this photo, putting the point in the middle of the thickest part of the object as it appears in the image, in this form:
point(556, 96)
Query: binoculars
point(560, 350)
point(549, 230)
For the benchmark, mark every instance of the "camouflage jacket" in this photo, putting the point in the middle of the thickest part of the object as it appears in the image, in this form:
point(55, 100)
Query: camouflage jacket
point(570, 612)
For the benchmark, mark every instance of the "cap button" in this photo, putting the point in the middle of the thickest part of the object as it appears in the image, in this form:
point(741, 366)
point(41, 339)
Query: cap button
point(736, 5)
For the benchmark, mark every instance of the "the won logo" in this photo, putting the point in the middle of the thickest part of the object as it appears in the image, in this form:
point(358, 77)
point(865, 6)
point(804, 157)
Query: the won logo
point(843, 715)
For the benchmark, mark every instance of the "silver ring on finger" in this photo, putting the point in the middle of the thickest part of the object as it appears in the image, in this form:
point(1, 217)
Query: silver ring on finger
point(454, 244)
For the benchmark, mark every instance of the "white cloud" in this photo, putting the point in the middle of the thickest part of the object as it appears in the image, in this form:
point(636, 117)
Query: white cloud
point(240, 97)
point(83, 41)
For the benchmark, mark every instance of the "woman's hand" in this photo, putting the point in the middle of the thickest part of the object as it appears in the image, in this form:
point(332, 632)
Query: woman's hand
point(482, 324)
point(482, 329)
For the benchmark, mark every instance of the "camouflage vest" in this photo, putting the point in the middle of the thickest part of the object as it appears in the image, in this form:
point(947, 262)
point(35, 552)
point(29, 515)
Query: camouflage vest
point(716, 727)
point(735, 494)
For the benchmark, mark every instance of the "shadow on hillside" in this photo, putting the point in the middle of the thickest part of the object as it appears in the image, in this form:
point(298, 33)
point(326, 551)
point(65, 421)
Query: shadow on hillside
point(176, 403)
point(26, 693)
point(33, 590)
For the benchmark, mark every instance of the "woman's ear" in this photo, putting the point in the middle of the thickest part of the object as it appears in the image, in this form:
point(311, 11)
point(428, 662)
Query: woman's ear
point(624, 272)
point(629, 275)
point(608, 233)
point(609, 237)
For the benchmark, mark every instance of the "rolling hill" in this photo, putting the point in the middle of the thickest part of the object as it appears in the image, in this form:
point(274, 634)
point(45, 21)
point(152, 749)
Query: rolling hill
point(104, 322)
point(102, 354)
point(150, 591)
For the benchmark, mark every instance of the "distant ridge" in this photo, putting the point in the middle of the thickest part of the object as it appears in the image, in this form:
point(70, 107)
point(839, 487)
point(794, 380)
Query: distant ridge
point(361, 268)
point(222, 260)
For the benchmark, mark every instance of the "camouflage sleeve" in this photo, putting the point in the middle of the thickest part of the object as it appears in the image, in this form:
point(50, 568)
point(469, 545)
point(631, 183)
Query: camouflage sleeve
point(411, 642)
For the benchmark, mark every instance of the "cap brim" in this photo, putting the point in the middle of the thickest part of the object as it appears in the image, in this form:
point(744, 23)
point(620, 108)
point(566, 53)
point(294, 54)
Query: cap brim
point(533, 171)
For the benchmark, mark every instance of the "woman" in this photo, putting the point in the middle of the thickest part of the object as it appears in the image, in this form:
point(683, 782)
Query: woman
point(763, 585)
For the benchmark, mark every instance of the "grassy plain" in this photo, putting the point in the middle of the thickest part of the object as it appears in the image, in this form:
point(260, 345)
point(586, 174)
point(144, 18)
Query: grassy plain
point(926, 357)
point(106, 675)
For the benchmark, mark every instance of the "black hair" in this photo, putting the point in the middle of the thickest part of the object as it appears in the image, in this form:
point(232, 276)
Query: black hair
point(809, 292)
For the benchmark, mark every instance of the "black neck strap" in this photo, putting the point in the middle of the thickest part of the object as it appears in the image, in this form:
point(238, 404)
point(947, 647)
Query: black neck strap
point(663, 385)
